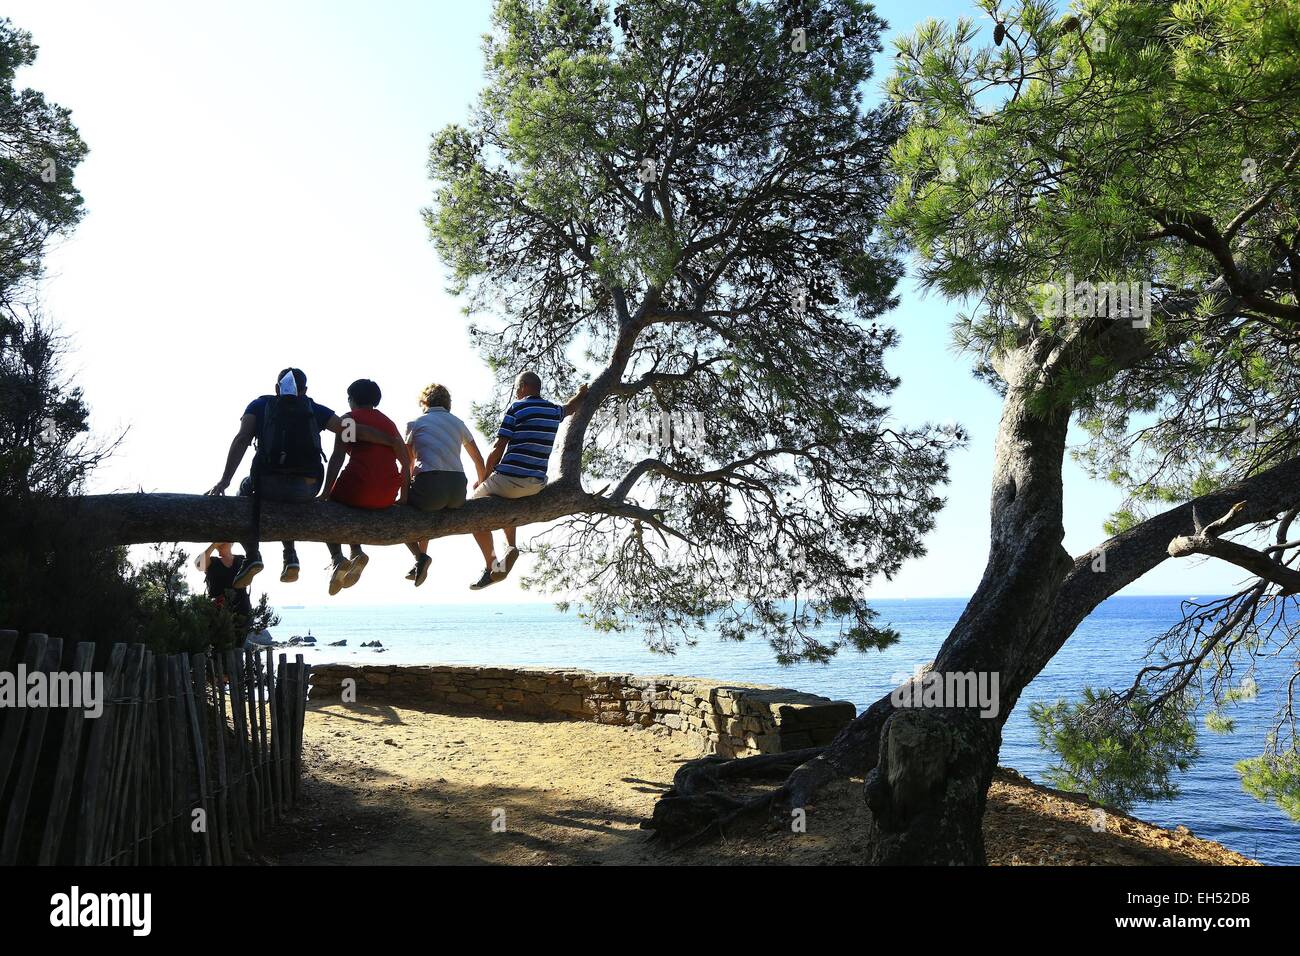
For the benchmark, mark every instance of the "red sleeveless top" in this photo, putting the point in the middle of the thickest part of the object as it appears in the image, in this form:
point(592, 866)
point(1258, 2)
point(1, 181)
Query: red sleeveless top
point(372, 477)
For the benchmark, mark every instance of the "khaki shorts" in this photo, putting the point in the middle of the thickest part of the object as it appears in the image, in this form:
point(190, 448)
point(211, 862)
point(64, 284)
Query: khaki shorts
point(498, 485)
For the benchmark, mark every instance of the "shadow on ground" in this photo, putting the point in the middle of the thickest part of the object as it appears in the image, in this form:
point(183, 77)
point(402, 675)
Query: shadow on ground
point(394, 785)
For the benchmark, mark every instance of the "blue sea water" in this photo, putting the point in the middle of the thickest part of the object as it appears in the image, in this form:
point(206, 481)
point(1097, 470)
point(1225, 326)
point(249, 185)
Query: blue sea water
point(1104, 652)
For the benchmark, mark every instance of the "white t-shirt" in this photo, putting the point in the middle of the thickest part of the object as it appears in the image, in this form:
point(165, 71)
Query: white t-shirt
point(437, 437)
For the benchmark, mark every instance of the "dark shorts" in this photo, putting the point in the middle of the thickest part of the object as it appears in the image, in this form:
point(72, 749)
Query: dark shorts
point(283, 488)
point(436, 490)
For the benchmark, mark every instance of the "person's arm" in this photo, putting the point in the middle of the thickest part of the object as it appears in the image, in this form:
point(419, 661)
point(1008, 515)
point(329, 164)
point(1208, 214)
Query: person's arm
point(332, 470)
point(362, 432)
point(494, 459)
point(244, 438)
point(404, 454)
point(572, 404)
point(476, 456)
point(504, 434)
point(201, 560)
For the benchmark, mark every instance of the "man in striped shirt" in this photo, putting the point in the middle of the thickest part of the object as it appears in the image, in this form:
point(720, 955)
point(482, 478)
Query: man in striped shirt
point(517, 466)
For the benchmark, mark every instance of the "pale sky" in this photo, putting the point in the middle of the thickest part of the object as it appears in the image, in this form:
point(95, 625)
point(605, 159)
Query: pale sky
point(253, 196)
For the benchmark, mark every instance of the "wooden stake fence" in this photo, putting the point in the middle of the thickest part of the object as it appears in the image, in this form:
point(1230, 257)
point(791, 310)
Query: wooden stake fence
point(192, 759)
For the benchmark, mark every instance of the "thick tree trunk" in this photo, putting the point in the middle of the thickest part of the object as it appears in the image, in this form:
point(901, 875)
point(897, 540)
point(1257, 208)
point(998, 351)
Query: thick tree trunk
point(926, 792)
point(928, 771)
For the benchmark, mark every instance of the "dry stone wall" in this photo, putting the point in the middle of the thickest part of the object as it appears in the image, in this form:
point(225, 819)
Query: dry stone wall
point(733, 720)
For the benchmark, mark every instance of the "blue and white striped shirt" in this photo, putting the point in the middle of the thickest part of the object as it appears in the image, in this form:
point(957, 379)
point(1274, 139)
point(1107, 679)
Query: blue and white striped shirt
point(530, 425)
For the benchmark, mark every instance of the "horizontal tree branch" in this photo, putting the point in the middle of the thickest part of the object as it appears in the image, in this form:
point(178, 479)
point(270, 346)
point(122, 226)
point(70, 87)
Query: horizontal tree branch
point(124, 519)
point(732, 470)
point(1138, 550)
point(651, 379)
point(1256, 562)
point(1265, 198)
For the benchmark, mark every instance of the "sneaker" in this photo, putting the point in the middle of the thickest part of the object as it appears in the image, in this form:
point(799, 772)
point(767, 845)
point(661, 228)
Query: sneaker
point(484, 580)
point(339, 574)
point(355, 567)
point(421, 569)
point(501, 569)
point(290, 572)
point(252, 565)
point(414, 572)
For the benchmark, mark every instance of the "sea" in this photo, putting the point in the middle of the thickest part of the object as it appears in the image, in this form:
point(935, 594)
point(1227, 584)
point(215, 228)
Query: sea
point(1105, 651)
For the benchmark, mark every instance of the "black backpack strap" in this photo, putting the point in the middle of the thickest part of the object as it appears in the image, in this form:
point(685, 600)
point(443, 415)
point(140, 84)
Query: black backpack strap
point(257, 473)
point(264, 429)
point(320, 446)
point(257, 504)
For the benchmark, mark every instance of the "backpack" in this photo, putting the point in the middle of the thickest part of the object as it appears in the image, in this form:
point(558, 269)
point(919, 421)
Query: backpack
point(289, 442)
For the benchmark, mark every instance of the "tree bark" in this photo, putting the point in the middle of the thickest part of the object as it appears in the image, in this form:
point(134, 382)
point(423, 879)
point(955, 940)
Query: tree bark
point(927, 790)
point(145, 518)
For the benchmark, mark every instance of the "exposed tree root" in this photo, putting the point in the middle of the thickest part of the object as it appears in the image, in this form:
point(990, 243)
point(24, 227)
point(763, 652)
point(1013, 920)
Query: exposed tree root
point(698, 808)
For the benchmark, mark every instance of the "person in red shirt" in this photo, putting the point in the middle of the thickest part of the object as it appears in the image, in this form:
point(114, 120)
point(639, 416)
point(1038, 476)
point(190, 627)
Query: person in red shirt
point(370, 479)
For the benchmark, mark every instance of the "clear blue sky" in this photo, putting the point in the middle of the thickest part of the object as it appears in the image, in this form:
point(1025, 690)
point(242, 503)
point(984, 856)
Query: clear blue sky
point(253, 194)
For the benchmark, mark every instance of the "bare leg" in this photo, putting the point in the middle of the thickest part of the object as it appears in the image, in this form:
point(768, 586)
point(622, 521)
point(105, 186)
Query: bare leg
point(484, 541)
point(416, 547)
point(510, 537)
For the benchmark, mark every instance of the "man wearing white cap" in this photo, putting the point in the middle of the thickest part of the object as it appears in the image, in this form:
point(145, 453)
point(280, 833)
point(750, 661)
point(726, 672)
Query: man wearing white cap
point(288, 465)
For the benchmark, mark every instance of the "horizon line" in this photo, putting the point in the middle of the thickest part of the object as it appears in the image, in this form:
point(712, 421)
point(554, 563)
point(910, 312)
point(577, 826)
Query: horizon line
point(912, 597)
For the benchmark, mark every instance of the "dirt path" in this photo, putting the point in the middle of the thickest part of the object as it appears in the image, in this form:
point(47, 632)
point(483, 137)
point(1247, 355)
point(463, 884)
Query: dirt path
point(394, 785)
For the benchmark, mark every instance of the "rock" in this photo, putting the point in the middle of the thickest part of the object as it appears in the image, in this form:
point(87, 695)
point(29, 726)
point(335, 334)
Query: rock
point(263, 638)
point(342, 643)
point(371, 644)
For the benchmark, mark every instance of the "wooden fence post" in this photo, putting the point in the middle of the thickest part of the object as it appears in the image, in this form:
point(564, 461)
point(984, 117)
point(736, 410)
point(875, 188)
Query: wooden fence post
point(217, 746)
point(47, 653)
point(165, 812)
point(182, 805)
point(121, 759)
point(11, 737)
point(246, 779)
point(198, 752)
point(64, 778)
point(92, 803)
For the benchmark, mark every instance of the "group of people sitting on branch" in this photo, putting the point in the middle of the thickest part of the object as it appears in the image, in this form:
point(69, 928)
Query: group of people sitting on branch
point(375, 465)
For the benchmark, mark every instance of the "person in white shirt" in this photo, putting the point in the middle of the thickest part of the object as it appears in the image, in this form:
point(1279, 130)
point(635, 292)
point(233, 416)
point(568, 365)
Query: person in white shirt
point(434, 441)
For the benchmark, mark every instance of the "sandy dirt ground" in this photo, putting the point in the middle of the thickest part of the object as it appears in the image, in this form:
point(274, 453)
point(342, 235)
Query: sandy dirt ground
point(396, 785)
